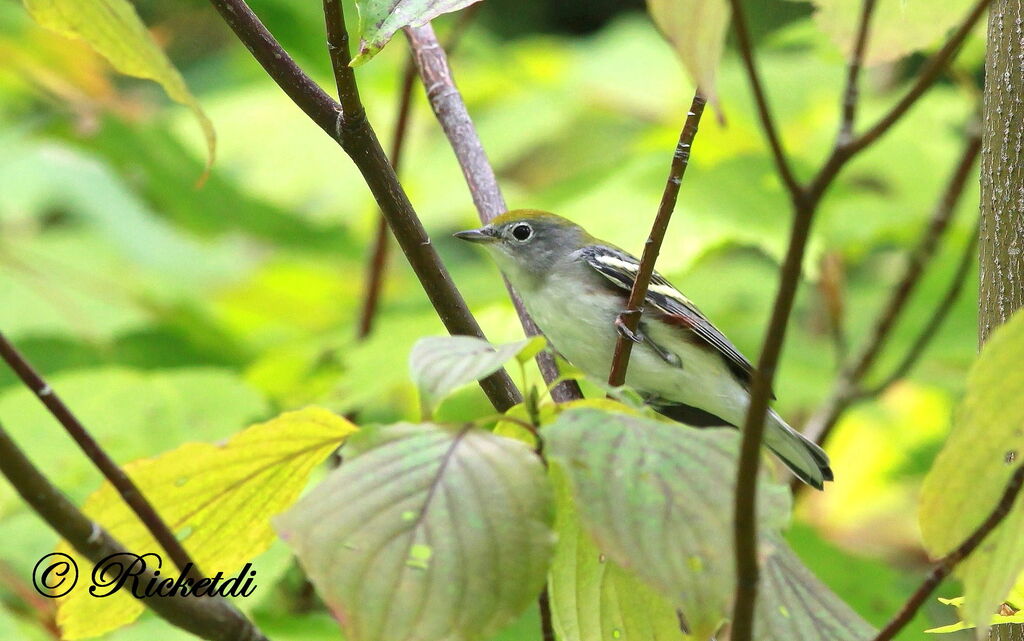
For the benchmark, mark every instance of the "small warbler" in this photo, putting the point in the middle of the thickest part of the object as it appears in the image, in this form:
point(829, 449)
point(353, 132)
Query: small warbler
point(574, 286)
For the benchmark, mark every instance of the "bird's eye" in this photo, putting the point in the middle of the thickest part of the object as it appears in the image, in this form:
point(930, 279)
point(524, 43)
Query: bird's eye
point(522, 232)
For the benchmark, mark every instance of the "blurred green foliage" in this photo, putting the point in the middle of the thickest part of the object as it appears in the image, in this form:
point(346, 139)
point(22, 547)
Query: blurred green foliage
point(167, 313)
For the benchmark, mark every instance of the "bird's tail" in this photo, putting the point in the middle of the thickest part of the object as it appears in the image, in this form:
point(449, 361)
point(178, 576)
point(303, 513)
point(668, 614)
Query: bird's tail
point(806, 460)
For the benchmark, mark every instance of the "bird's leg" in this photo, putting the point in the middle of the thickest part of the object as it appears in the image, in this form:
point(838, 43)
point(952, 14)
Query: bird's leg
point(639, 337)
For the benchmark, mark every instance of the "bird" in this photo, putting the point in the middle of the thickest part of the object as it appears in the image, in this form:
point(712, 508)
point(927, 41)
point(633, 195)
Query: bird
point(575, 286)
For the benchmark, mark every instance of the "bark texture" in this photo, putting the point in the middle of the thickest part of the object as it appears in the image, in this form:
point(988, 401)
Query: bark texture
point(1001, 288)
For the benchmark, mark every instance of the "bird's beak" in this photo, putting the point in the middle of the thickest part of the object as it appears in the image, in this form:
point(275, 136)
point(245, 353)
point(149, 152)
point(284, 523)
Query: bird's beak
point(482, 235)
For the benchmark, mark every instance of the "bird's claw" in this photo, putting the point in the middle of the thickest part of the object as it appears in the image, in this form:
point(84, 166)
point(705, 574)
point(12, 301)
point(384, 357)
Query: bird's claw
point(626, 332)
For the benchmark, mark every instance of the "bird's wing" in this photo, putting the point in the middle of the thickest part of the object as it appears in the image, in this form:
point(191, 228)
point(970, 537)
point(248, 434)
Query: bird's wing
point(621, 268)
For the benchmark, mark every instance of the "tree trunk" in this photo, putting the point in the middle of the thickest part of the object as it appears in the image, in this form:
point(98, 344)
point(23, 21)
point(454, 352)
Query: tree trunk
point(1001, 286)
point(1002, 173)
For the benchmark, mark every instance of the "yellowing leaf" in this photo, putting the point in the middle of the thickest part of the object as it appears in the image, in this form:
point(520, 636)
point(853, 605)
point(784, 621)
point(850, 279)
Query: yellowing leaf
point(997, 619)
point(380, 19)
point(114, 30)
point(898, 27)
point(971, 472)
point(218, 499)
point(696, 30)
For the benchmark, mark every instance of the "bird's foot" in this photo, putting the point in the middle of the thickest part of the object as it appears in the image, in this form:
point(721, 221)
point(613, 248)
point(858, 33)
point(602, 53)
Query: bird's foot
point(626, 332)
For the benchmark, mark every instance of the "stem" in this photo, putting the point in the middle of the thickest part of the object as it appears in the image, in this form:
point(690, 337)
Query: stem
point(453, 116)
point(379, 256)
point(745, 505)
point(212, 618)
point(630, 317)
point(956, 285)
point(129, 492)
point(764, 112)
point(945, 566)
point(851, 95)
point(848, 387)
point(931, 72)
point(358, 140)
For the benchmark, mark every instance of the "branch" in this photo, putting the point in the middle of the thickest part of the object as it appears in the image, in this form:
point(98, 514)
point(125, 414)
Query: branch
point(851, 95)
point(379, 255)
point(931, 72)
point(764, 112)
point(848, 387)
point(129, 492)
point(745, 524)
point(452, 114)
point(945, 566)
point(211, 618)
point(629, 320)
point(956, 285)
point(357, 138)
point(377, 263)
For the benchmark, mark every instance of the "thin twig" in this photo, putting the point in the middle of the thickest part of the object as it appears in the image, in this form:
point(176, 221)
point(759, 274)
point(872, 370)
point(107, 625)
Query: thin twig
point(126, 488)
point(848, 387)
point(935, 320)
point(852, 93)
point(946, 566)
point(453, 116)
point(210, 618)
point(764, 112)
point(357, 138)
point(378, 261)
point(629, 319)
point(929, 74)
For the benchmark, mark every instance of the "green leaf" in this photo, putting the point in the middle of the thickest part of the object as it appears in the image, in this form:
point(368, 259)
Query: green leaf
point(696, 30)
point(427, 533)
point(592, 597)
point(115, 31)
point(971, 472)
point(898, 27)
point(441, 364)
point(657, 498)
point(218, 499)
point(379, 20)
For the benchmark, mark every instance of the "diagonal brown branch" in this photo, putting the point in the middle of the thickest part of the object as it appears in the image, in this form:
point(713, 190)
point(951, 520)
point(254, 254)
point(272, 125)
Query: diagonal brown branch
point(629, 319)
point(852, 93)
point(125, 487)
point(358, 140)
point(450, 109)
point(929, 74)
point(763, 110)
point(949, 562)
point(211, 618)
point(848, 387)
point(377, 264)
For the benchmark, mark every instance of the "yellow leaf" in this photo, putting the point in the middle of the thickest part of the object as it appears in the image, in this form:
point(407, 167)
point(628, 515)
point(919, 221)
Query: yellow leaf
point(115, 31)
point(217, 498)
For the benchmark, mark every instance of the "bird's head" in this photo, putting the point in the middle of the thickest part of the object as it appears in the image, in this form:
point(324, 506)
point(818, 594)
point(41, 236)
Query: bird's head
point(527, 243)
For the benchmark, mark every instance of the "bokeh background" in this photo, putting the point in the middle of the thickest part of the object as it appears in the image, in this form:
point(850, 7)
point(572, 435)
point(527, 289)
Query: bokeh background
point(165, 313)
